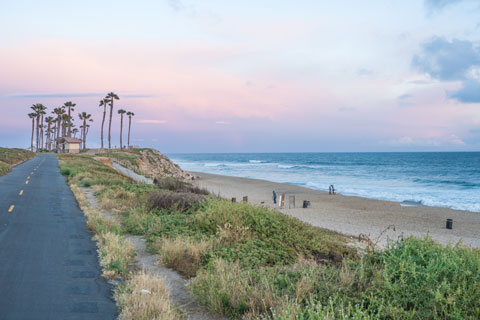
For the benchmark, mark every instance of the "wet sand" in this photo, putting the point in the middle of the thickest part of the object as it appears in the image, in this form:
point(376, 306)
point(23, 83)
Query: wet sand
point(352, 215)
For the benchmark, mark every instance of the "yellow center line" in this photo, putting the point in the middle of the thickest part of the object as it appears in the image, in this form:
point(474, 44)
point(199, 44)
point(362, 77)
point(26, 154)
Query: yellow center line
point(11, 208)
point(26, 182)
point(21, 192)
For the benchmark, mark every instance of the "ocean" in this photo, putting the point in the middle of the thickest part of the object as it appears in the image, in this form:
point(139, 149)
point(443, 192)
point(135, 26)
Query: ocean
point(442, 179)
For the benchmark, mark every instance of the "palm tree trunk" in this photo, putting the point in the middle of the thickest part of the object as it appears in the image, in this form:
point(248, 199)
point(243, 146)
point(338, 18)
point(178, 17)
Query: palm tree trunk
point(84, 135)
point(129, 125)
point(69, 128)
point(121, 129)
point(41, 133)
point(103, 121)
point(58, 132)
point(33, 129)
point(38, 120)
point(110, 126)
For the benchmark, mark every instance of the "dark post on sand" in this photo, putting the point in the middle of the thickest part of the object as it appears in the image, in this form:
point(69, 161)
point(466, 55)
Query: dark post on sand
point(449, 223)
point(245, 199)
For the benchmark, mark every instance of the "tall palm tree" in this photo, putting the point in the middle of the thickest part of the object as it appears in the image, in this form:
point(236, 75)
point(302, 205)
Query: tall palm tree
point(49, 121)
point(130, 114)
point(32, 116)
point(74, 131)
point(121, 112)
point(103, 103)
point(41, 110)
point(37, 109)
point(110, 97)
point(59, 113)
point(65, 121)
point(84, 117)
point(69, 105)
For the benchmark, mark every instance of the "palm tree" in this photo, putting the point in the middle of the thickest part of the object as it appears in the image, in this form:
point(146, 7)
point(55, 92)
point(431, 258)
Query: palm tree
point(32, 116)
point(74, 131)
point(84, 117)
point(41, 110)
point(59, 112)
point(110, 97)
point(65, 121)
point(37, 108)
point(70, 106)
point(121, 112)
point(130, 114)
point(49, 121)
point(103, 103)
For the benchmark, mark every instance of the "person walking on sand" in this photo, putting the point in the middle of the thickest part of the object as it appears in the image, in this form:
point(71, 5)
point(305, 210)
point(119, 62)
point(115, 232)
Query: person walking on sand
point(274, 197)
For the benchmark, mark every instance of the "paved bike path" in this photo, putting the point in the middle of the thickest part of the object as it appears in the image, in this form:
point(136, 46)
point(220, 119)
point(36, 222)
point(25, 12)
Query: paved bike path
point(49, 267)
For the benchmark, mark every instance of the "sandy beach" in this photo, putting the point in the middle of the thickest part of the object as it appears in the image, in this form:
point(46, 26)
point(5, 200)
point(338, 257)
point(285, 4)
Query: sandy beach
point(352, 215)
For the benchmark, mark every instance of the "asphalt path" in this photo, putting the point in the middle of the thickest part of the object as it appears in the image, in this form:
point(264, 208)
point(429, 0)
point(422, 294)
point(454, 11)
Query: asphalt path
point(49, 267)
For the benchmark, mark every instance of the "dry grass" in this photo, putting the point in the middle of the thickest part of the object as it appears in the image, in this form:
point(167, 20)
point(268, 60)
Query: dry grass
point(118, 200)
point(183, 254)
point(116, 254)
point(145, 297)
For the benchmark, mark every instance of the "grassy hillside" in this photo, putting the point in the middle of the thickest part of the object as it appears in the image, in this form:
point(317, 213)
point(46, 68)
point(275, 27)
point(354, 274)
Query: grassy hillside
point(255, 263)
point(12, 156)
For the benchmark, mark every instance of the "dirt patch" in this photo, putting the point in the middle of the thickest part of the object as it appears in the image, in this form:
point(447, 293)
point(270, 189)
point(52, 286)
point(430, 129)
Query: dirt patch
point(104, 160)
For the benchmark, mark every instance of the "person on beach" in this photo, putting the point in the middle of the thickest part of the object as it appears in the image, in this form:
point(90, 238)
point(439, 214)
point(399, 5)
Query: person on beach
point(274, 197)
point(331, 189)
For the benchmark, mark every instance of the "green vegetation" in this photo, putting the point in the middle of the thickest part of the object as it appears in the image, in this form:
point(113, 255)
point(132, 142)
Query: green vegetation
point(251, 262)
point(121, 156)
point(12, 156)
point(4, 168)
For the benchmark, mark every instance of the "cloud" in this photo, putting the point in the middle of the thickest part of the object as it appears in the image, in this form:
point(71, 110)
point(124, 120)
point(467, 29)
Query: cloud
point(404, 100)
point(469, 93)
point(404, 96)
point(456, 60)
point(364, 72)
point(433, 6)
point(151, 121)
point(449, 140)
point(57, 95)
point(346, 109)
point(68, 95)
point(447, 60)
point(222, 122)
point(176, 5)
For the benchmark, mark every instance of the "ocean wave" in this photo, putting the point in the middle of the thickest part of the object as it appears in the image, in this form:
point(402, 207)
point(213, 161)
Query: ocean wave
point(256, 161)
point(412, 203)
point(285, 166)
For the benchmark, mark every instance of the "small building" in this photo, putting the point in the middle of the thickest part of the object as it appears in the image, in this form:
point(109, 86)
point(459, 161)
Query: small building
point(69, 145)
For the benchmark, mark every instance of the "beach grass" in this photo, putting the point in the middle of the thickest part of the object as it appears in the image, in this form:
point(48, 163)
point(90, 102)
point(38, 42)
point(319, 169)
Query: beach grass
point(12, 156)
point(251, 262)
point(142, 295)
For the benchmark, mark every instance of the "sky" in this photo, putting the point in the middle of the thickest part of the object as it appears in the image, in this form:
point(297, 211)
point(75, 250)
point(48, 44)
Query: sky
point(250, 76)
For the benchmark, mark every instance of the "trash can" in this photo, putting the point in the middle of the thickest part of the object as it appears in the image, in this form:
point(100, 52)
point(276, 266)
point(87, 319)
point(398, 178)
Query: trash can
point(449, 223)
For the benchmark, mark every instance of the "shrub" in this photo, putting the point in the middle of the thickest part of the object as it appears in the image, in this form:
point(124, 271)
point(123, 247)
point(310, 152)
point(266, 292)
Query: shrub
point(86, 183)
point(177, 185)
point(4, 168)
point(65, 171)
point(183, 253)
point(181, 201)
point(269, 237)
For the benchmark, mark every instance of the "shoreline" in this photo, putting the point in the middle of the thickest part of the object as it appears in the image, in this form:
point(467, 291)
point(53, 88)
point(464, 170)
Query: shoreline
point(356, 216)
